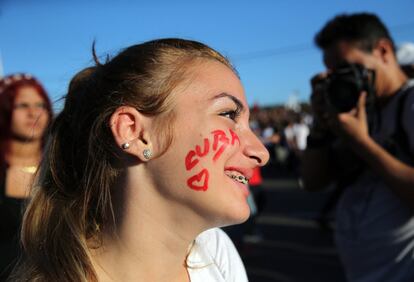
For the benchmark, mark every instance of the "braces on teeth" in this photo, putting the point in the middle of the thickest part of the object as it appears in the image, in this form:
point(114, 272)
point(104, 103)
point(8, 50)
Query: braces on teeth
point(240, 178)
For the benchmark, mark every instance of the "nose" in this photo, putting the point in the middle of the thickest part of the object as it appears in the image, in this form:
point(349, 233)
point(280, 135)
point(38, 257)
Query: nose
point(34, 111)
point(254, 149)
point(31, 111)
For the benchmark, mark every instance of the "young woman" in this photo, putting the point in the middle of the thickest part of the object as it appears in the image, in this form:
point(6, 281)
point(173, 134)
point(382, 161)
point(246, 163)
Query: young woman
point(151, 152)
point(25, 111)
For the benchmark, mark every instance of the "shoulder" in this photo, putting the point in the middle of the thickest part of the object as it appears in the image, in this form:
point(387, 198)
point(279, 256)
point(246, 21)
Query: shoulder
point(408, 101)
point(214, 239)
point(218, 245)
point(407, 114)
point(222, 252)
point(409, 93)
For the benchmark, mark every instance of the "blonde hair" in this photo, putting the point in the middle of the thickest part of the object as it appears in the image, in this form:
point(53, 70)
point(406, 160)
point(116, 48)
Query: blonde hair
point(72, 199)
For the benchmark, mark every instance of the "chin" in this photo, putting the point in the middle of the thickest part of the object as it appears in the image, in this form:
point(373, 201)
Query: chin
point(243, 217)
point(237, 216)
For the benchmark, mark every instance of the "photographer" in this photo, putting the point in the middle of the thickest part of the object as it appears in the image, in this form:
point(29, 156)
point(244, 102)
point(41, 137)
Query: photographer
point(363, 141)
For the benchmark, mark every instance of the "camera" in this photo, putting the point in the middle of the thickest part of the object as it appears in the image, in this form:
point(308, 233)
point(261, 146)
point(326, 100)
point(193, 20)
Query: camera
point(339, 92)
point(342, 87)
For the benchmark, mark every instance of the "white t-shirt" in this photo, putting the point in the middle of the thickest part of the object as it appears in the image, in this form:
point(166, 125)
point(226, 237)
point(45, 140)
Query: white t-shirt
point(213, 258)
point(301, 132)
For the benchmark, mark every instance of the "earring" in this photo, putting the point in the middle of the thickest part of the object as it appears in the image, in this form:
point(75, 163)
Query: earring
point(147, 154)
point(125, 146)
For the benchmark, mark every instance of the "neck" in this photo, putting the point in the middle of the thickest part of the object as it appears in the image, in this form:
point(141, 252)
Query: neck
point(24, 153)
point(152, 238)
point(395, 82)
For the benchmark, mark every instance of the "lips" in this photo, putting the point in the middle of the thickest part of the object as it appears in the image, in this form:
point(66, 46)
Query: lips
point(33, 124)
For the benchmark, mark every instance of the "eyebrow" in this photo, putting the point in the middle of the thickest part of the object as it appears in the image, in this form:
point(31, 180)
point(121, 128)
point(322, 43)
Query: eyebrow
point(238, 103)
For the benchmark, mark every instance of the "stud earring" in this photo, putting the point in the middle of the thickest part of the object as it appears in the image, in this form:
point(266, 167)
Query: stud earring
point(125, 146)
point(147, 154)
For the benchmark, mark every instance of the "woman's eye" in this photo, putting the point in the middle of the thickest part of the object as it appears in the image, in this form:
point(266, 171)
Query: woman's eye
point(41, 106)
point(21, 106)
point(232, 114)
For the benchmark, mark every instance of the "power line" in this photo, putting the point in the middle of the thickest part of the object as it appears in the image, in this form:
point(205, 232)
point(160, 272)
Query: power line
point(273, 52)
point(302, 47)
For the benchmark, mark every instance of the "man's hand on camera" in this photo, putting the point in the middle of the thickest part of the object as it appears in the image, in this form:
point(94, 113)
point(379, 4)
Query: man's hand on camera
point(353, 125)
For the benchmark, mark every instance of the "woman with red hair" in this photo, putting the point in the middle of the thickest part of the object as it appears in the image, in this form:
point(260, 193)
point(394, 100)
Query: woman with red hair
point(25, 111)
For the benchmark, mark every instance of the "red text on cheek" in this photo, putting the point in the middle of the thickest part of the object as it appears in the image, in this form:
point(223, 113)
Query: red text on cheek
point(234, 137)
point(220, 141)
point(191, 158)
point(206, 148)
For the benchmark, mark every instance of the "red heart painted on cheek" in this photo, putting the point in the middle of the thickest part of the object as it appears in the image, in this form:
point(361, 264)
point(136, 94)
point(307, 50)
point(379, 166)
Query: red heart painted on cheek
point(196, 182)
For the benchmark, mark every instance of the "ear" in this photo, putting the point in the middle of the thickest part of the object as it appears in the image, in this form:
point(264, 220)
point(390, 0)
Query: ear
point(384, 49)
point(130, 127)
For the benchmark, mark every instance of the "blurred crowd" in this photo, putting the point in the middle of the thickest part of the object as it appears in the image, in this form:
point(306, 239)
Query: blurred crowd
point(284, 130)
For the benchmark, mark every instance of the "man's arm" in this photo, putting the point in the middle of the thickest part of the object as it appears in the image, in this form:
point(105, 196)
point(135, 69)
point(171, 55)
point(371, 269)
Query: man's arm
point(397, 175)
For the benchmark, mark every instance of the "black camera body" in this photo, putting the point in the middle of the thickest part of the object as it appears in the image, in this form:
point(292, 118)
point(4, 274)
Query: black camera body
point(339, 92)
point(343, 87)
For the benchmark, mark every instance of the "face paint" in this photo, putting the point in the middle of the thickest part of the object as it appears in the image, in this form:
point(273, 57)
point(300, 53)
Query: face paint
point(206, 148)
point(234, 137)
point(199, 182)
point(219, 137)
point(189, 161)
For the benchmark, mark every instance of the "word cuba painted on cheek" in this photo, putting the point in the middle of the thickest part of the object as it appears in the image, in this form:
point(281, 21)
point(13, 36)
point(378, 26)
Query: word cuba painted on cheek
point(220, 141)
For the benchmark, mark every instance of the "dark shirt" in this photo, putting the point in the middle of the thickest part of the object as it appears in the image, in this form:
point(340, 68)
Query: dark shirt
point(10, 221)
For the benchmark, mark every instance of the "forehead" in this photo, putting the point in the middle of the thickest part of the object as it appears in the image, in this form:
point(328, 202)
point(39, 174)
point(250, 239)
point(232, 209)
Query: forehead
point(207, 78)
point(343, 52)
point(28, 93)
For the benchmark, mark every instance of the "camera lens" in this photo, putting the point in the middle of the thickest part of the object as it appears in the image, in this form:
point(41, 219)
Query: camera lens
point(345, 84)
point(343, 93)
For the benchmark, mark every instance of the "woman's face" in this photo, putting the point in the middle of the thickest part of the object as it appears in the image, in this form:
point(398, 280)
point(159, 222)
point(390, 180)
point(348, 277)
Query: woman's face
point(30, 116)
point(213, 148)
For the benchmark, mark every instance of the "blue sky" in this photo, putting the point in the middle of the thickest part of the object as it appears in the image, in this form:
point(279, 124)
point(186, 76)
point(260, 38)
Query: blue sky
point(270, 42)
